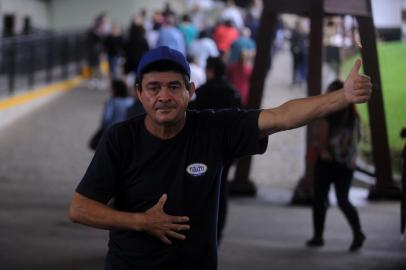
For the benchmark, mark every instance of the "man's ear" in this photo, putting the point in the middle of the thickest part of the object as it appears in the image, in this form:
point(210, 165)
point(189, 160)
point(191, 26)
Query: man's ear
point(192, 89)
point(138, 92)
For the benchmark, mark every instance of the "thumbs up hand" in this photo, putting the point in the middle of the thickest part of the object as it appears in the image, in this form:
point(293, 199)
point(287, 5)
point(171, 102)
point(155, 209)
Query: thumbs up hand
point(357, 87)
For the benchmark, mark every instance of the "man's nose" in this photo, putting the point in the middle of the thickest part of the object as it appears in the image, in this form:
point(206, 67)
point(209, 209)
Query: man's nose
point(164, 94)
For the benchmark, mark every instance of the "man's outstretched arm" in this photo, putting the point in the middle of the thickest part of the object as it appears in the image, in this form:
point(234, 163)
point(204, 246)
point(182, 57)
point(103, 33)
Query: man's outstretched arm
point(298, 112)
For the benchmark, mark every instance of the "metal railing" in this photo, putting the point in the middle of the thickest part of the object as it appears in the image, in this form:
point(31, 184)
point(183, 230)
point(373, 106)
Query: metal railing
point(40, 58)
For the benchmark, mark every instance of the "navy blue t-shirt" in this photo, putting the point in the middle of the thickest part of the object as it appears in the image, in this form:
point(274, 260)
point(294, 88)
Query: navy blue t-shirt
point(136, 168)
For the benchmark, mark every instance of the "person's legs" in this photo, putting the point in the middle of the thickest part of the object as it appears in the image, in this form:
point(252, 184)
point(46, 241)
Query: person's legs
point(303, 68)
point(342, 183)
point(296, 68)
point(321, 187)
point(113, 66)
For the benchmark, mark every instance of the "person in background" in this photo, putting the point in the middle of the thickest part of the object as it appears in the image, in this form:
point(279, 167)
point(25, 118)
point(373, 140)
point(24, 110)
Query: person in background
point(27, 26)
point(198, 16)
point(114, 111)
point(224, 35)
point(197, 73)
point(168, 11)
point(240, 63)
point(239, 73)
point(243, 43)
point(202, 48)
point(115, 108)
point(217, 93)
point(136, 45)
point(298, 48)
point(171, 36)
point(95, 47)
point(136, 108)
point(279, 40)
point(232, 13)
point(339, 136)
point(189, 31)
point(145, 19)
point(152, 34)
point(114, 45)
point(252, 23)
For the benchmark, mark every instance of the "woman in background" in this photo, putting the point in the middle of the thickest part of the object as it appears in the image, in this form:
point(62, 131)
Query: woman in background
point(339, 135)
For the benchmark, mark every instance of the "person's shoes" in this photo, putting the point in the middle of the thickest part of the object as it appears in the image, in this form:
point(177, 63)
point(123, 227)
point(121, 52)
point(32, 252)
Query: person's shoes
point(315, 242)
point(357, 242)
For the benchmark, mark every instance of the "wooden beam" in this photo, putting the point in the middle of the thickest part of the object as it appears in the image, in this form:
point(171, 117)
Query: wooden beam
point(347, 7)
point(302, 7)
point(330, 7)
point(241, 185)
point(303, 191)
point(384, 187)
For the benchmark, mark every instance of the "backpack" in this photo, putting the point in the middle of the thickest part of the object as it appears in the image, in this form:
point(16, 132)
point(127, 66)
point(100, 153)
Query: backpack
point(342, 142)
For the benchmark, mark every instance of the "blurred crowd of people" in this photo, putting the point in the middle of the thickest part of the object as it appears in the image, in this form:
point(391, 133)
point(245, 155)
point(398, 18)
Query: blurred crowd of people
point(230, 37)
point(229, 33)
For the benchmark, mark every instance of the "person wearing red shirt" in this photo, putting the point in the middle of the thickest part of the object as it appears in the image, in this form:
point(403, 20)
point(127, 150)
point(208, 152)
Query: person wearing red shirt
point(224, 35)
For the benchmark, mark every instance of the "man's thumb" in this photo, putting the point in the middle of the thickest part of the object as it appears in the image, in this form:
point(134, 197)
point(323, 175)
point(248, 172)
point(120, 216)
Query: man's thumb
point(357, 65)
point(162, 201)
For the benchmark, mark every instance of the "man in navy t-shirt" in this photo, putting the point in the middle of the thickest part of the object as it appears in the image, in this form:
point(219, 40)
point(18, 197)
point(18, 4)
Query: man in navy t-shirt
point(162, 169)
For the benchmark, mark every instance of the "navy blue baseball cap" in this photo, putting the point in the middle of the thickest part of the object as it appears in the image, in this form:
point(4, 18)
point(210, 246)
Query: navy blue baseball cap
point(163, 53)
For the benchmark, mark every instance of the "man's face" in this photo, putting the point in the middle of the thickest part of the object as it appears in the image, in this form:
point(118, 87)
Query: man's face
point(164, 97)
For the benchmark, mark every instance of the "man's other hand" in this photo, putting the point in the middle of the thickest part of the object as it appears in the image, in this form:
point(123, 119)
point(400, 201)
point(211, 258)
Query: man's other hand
point(162, 225)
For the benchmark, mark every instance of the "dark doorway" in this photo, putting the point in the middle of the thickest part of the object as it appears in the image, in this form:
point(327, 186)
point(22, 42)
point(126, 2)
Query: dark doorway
point(8, 25)
point(27, 26)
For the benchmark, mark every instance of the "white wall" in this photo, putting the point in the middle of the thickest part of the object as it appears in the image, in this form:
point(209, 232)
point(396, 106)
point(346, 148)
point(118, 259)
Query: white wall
point(67, 14)
point(387, 13)
point(36, 9)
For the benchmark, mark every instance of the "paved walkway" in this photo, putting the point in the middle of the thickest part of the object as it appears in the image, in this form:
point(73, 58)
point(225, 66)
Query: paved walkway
point(44, 154)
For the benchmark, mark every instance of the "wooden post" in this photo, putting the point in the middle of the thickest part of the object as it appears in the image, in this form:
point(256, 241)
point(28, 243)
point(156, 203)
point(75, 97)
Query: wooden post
point(384, 187)
point(241, 185)
point(304, 190)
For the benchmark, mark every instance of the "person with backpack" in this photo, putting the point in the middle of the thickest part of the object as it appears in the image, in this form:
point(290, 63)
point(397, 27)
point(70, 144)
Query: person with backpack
point(339, 136)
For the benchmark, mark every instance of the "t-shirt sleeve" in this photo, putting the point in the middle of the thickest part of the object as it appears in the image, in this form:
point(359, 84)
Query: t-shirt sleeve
point(100, 180)
point(242, 136)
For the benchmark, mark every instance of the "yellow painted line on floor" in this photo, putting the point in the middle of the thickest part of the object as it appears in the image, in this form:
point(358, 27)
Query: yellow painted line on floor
point(40, 92)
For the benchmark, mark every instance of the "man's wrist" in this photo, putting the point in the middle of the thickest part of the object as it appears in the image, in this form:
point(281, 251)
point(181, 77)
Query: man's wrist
point(345, 97)
point(137, 222)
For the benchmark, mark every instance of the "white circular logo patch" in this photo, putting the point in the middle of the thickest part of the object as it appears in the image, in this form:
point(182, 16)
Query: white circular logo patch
point(196, 169)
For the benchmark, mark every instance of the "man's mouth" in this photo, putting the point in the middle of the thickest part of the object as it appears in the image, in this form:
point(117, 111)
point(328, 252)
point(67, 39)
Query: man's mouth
point(164, 109)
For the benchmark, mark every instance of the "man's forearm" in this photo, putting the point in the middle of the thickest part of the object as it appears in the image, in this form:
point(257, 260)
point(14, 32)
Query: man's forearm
point(299, 112)
point(92, 213)
point(154, 221)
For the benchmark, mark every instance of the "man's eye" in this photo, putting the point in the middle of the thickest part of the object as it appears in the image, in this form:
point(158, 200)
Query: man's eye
point(153, 88)
point(174, 87)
